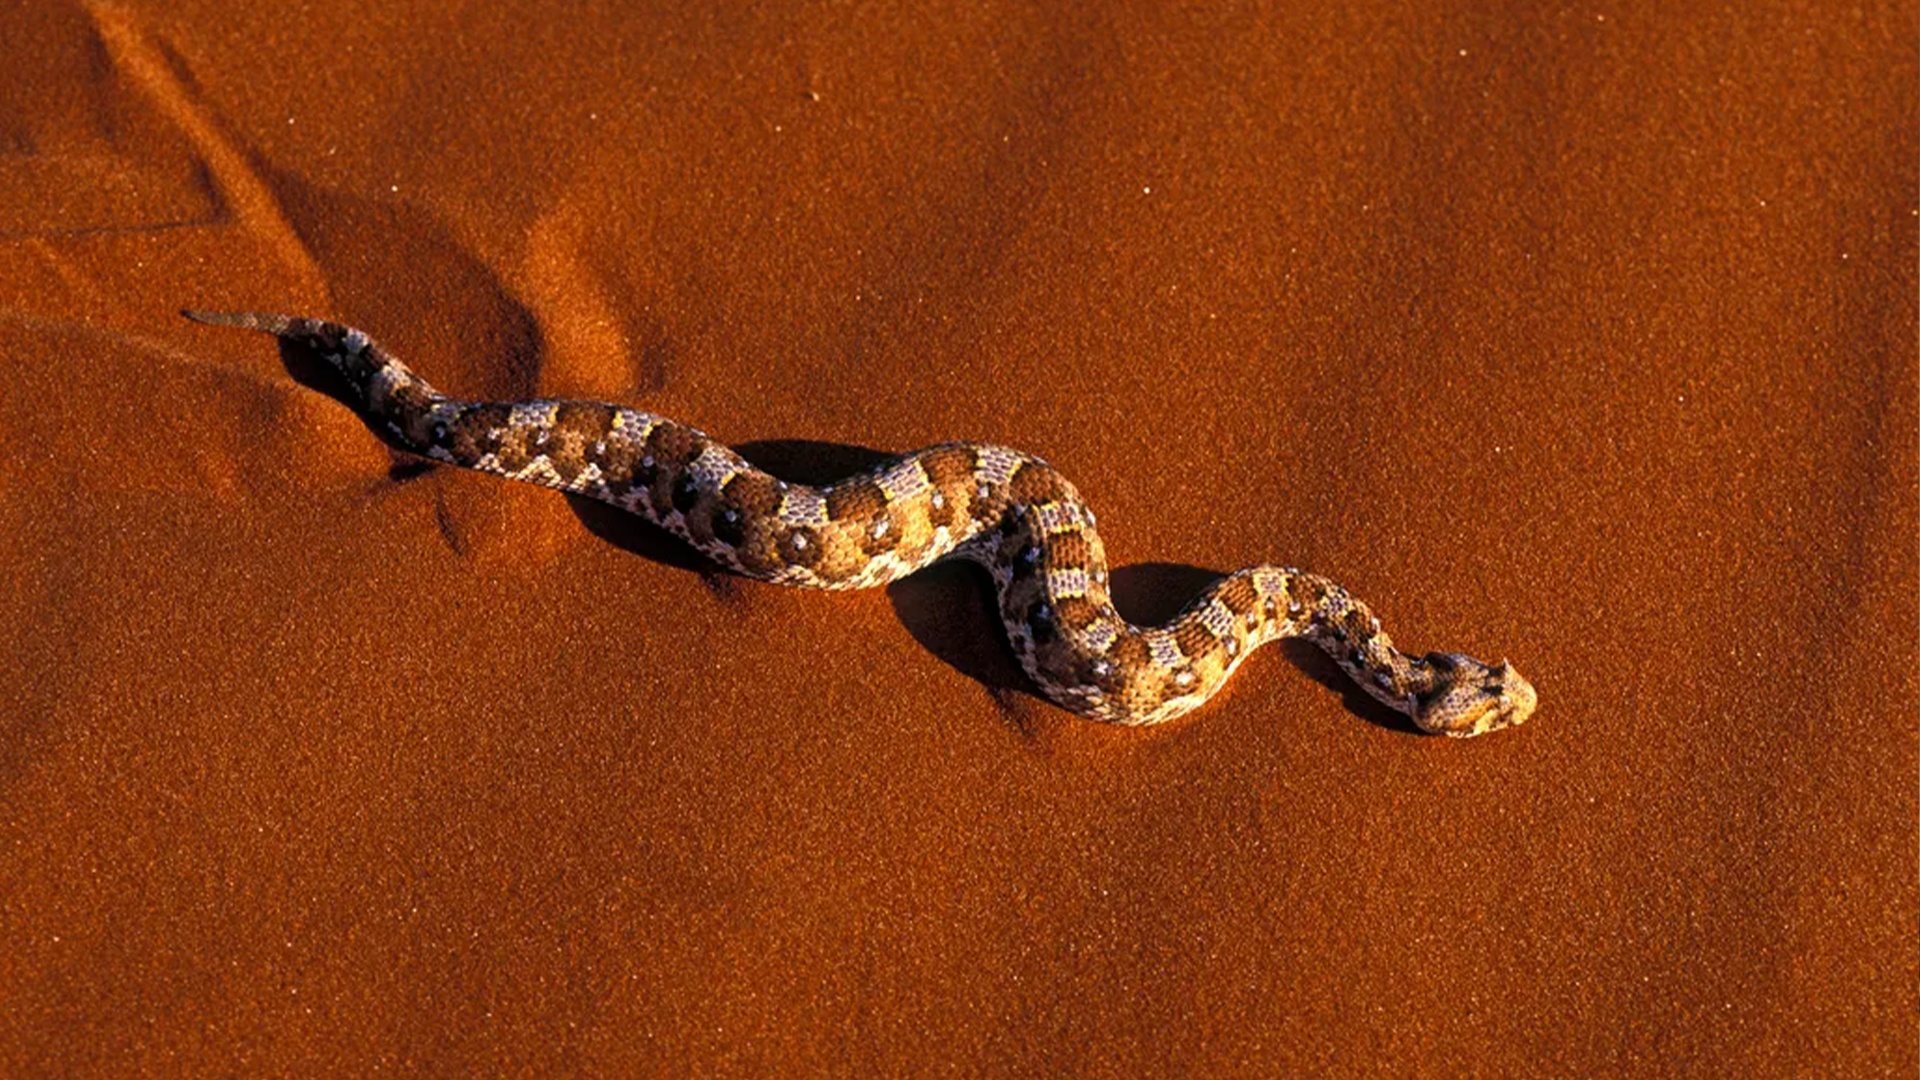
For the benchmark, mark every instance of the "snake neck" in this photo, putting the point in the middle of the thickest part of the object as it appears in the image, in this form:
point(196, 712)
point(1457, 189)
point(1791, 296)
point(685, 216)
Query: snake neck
point(1444, 693)
point(1348, 631)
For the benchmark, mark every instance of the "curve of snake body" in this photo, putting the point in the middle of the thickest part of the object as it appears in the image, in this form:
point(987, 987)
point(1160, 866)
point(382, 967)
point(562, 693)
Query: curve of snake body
point(1004, 509)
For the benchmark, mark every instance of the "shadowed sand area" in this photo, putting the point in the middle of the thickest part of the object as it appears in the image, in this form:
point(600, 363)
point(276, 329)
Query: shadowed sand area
point(1584, 337)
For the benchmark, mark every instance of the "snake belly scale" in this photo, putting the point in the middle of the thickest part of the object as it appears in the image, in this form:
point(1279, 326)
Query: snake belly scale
point(1007, 510)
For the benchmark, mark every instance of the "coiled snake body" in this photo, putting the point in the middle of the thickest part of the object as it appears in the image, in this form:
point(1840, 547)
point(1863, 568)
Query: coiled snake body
point(1004, 509)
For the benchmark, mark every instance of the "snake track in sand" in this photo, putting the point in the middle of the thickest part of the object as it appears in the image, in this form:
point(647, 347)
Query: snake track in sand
point(1004, 509)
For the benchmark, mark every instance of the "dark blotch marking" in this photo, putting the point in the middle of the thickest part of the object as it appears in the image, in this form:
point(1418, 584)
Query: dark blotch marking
point(512, 452)
point(1310, 593)
point(673, 442)
point(755, 497)
point(857, 498)
point(838, 563)
point(577, 425)
point(1194, 639)
point(1069, 551)
point(585, 421)
point(673, 447)
point(1026, 562)
point(886, 541)
point(950, 466)
point(985, 511)
point(476, 432)
point(752, 493)
point(479, 427)
point(1130, 652)
point(947, 514)
point(564, 455)
point(1239, 595)
point(729, 526)
point(809, 555)
point(1075, 613)
point(1134, 677)
point(949, 471)
point(1040, 621)
point(1020, 593)
point(616, 464)
point(686, 492)
point(1037, 483)
point(405, 404)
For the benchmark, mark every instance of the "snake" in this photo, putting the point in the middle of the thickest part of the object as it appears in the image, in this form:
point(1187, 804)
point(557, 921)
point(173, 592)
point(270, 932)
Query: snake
point(1004, 509)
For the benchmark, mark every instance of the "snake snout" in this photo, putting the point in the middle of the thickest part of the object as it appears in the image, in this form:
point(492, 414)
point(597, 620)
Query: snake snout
point(1472, 698)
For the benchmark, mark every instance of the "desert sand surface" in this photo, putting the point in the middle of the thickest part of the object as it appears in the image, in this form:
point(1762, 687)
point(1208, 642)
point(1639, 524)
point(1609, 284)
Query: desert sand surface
point(1581, 336)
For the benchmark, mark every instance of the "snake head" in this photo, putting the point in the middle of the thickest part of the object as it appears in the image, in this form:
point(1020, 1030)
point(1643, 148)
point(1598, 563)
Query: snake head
point(1471, 698)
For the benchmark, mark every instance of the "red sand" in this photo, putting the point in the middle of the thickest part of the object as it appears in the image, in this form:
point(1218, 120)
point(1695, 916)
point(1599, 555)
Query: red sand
point(1582, 337)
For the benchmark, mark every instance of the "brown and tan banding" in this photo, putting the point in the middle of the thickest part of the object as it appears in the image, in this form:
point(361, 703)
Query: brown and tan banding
point(1006, 510)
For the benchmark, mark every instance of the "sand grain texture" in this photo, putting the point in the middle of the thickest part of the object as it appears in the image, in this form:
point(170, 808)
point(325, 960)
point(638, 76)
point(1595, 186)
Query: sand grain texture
point(1586, 337)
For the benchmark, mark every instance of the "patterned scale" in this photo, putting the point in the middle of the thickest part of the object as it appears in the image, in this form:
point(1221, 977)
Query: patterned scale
point(1004, 509)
